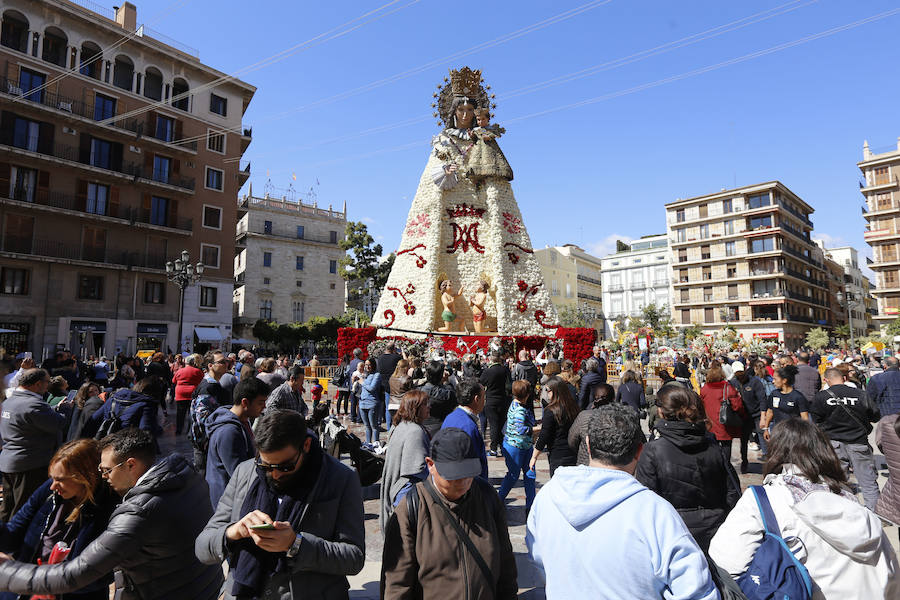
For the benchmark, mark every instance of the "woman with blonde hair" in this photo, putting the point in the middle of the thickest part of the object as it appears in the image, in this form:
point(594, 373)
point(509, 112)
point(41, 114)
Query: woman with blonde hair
point(69, 511)
point(404, 461)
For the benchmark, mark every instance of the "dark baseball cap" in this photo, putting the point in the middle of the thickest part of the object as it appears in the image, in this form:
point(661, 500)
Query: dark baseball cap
point(454, 454)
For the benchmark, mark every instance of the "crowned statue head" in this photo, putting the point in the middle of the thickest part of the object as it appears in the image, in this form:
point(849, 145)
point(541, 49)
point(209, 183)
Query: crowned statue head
point(459, 96)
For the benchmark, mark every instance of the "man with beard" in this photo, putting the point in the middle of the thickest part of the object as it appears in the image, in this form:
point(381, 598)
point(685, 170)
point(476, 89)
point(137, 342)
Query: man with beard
point(290, 523)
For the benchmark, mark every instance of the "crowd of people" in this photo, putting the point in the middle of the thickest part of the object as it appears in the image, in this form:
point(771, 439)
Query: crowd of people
point(640, 480)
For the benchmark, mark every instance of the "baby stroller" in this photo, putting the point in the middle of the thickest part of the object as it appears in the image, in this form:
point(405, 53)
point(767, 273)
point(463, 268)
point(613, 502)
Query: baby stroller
point(336, 440)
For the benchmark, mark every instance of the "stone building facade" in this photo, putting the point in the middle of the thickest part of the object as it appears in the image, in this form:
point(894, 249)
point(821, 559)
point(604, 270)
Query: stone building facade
point(113, 162)
point(286, 267)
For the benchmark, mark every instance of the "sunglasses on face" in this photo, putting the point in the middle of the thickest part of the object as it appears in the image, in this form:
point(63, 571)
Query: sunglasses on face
point(286, 467)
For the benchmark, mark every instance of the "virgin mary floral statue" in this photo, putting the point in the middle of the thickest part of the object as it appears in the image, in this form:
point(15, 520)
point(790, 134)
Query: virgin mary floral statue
point(465, 232)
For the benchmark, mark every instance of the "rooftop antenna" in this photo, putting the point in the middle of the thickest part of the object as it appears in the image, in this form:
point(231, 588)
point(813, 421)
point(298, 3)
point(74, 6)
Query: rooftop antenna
point(269, 188)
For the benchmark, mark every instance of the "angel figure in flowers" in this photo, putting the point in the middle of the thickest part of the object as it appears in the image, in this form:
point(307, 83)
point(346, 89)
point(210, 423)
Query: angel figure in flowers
point(477, 301)
point(448, 301)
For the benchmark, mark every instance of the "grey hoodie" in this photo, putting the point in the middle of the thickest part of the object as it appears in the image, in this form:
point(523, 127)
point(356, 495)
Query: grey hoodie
point(31, 432)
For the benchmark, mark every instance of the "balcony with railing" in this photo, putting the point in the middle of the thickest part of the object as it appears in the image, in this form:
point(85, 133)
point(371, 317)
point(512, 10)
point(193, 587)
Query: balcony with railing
point(615, 287)
point(50, 248)
point(66, 104)
point(243, 231)
point(878, 181)
point(74, 155)
point(131, 215)
point(589, 279)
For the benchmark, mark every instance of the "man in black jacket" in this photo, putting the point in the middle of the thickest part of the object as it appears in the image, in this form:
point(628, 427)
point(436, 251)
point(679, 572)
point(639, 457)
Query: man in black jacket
point(497, 383)
point(149, 541)
point(441, 398)
point(753, 394)
point(845, 415)
point(387, 363)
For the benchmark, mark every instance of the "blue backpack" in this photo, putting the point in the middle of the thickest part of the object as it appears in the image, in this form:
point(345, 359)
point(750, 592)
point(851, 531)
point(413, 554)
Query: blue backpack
point(774, 573)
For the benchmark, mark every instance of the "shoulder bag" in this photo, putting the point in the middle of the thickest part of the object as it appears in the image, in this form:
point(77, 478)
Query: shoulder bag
point(727, 415)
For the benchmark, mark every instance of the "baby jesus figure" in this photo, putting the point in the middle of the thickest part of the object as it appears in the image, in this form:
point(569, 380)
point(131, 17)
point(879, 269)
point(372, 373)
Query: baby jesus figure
point(486, 159)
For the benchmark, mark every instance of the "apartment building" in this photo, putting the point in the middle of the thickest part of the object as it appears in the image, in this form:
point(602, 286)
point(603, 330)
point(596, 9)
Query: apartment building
point(286, 268)
point(856, 304)
point(114, 162)
point(634, 277)
point(573, 278)
point(744, 257)
point(880, 169)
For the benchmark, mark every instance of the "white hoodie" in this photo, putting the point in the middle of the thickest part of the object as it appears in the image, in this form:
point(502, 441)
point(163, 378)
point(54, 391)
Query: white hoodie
point(840, 542)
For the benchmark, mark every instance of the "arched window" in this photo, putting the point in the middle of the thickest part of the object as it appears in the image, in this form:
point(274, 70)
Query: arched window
point(123, 76)
point(179, 87)
point(14, 31)
point(56, 44)
point(91, 60)
point(153, 83)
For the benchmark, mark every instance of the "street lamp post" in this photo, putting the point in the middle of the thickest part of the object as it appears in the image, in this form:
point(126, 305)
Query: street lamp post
point(845, 296)
point(182, 273)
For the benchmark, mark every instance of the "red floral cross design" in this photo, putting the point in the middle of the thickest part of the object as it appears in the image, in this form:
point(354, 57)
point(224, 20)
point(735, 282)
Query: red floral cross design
point(512, 223)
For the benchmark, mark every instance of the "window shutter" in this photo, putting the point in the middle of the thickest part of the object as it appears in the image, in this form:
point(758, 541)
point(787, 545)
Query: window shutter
point(45, 138)
point(113, 201)
point(173, 212)
point(116, 157)
point(178, 129)
point(148, 166)
point(84, 149)
point(176, 166)
point(4, 179)
point(81, 196)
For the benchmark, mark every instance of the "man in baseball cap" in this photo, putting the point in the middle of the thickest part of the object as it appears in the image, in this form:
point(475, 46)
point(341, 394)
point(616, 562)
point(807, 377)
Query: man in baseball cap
point(452, 514)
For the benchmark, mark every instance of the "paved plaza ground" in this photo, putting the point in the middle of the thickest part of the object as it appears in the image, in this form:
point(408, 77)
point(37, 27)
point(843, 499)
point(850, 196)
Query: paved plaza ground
point(364, 585)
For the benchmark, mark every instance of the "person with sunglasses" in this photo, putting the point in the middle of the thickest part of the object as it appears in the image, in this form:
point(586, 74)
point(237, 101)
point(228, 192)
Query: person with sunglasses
point(291, 522)
point(148, 543)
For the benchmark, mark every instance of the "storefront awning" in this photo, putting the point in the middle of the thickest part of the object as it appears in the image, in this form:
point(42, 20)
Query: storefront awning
point(208, 334)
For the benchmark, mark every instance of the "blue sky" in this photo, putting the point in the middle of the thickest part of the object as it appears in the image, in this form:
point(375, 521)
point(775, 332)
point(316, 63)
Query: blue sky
point(587, 174)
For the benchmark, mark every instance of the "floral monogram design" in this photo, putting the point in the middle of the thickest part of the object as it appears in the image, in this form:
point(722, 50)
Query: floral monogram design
point(512, 223)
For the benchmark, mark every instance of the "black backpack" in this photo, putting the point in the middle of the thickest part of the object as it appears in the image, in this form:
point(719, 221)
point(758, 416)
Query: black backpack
point(113, 421)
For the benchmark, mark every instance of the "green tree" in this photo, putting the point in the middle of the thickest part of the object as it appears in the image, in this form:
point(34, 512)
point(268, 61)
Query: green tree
point(635, 323)
point(570, 316)
point(658, 318)
point(265, 331)
point(892, 328)
point(842, 331)
point(817, 338)
point(692, 331)
point(363, 261)
point(353, 317)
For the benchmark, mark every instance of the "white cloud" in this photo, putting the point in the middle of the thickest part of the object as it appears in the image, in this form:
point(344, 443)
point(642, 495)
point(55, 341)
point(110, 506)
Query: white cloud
point(607, 245)
point(367, 220)
point(831, 241)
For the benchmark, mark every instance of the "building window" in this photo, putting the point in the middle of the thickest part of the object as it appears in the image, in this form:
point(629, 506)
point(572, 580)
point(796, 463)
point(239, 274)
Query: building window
point(267, 280)
point(104, 107)
point(267, 259)
point(704, 231)
point(265, 310)
point(682, 275)
point(552, 257)
point(90, 287)
point(26, 134)
point(165, 128)
point(732, 291)
point(707, 294)
point(685, 295)
point(730, 249)
point(209, 254)
point(554, 287)
point(31, 80)
point(212, 217)
point(14, 33)
point(267, 227)
point(731, 270)
point(726, 206)
point(14, 281)
point(704, 252)
point(568, 288)
point(708, 315)
point(97, 198)
point(707, 273)
point(161, 168)
point(218, 105)
point(208, 296)
point(299, 263)
point(214, 179)
point(154, 292)
point(682, 255)
point(681, 234)
point(215, 141)
point(759, 200)
point(298, 310)
point(762, 245)
point(332, 237)
point(679, 215)
point(881, 173)
point(300, 232)
point(94, 246)
point(332, 266)
point(703, 210)
point(332, 286)
point(23, 184)
point(685, 316)
point(761, 222)
point(299, 283)
point(159, 211)
point(729, 227)
point(101, 153)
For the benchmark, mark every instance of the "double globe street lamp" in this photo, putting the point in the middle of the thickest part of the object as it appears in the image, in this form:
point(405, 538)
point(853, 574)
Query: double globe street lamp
point(182, 273)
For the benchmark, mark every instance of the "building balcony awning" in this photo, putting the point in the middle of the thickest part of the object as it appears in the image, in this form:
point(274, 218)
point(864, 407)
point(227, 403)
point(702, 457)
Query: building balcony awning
point(208, 334)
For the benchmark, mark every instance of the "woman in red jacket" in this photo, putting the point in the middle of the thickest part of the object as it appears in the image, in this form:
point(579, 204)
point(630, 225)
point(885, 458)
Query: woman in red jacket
point(712, 393)
point(186, 380)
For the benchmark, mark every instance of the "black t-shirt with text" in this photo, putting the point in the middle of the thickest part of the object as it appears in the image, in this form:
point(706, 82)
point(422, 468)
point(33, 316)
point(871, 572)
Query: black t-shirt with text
point(784, 406)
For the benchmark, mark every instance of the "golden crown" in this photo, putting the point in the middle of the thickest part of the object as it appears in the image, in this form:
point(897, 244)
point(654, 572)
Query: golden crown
point(465, 81)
